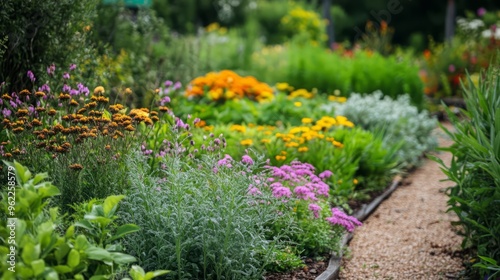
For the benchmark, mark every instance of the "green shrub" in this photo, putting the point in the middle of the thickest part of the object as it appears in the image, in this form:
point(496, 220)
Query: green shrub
point(41, 33)
point(309, 67)
point(475, 169)
point(40, 249)
point(401, 123)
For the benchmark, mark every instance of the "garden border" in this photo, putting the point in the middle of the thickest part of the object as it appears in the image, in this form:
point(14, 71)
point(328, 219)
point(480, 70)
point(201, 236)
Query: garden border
point(333, 269)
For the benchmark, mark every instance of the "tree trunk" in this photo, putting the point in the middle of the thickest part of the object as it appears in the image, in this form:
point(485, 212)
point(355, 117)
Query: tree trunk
point(330, 27)
point(450, 20)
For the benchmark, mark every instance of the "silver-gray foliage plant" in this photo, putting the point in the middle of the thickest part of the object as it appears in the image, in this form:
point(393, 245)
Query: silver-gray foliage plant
point(200, 222)
point(400, 122)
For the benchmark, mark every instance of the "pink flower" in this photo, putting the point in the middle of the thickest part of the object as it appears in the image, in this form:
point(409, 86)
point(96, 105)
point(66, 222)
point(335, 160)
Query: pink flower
point(325, 174)
point(451, 68)
point(342, 219)
point(481, 12)
point(72, 67)
point(315, 209)
point(246, 159)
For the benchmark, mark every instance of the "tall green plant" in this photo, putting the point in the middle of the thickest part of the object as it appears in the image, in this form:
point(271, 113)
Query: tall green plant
point(41, 33)
point(40, 249)
point(475, 169)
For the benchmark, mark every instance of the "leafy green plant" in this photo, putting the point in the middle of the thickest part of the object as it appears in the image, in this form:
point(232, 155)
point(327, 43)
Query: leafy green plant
point(475, 169)
point(40, 249)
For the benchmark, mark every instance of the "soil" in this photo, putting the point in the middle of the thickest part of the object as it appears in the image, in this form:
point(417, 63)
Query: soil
point(312, 270)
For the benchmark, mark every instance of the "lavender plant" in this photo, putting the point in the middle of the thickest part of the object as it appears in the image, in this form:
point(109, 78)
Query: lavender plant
point(198, 221)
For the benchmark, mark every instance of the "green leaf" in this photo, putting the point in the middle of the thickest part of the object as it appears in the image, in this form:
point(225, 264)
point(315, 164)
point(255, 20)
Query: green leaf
point(488, 260)
point(61, 269)
point(99, 277)
point(124, 230)
point(70, 231)
point(38, 267)
point(98, 254)
point(153, 274)
point(22, 172)
point(121, 258)
point(30, 252)
point(49, 191)
point(81, 243)
point(73, 258)
point(61, 252)
point(52, 276)
point(110, 204)
point(137, 273)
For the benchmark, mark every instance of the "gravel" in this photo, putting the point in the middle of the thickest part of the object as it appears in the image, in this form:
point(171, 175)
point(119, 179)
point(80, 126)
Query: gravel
point(410, 235)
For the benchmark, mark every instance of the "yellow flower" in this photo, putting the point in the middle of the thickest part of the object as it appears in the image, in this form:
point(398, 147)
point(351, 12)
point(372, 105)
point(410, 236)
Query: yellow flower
point(99, 90)
point(265, 140)
point(338, 144)
point(246, 142)
point(306, 120)
point(297, 104)
point(283, 152)
point(355, 181)
point(280, 158)
point(282, 86)
point(291, 144)
point(237, 127)
point(215, 94)
point(303, 149)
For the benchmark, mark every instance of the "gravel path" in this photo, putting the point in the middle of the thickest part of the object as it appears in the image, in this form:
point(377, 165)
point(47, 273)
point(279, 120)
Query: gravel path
point(409, 236)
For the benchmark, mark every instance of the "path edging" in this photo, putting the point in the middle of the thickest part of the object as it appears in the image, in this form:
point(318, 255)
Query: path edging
point(333, 269)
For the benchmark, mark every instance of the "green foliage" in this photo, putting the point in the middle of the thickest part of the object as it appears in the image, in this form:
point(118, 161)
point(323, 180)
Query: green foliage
point(305, 66)
point(198, 222)
point(401, 124)
point(41, 33)
point(475, 169)
point(40, 249)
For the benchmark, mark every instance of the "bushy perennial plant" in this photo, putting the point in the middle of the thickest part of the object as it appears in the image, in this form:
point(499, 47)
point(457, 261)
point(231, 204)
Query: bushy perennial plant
point(400, 122)
point(475, 169)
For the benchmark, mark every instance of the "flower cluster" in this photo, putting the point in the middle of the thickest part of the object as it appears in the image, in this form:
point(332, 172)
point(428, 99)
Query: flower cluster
point(56, 123)
point(227, 85)
point(342, 219)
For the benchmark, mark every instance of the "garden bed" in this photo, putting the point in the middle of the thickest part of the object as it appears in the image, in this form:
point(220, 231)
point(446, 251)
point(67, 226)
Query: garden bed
point(327, 267)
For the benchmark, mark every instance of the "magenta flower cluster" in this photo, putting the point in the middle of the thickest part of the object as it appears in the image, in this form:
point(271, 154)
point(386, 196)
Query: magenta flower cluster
point(342, 219)
point(298, 179)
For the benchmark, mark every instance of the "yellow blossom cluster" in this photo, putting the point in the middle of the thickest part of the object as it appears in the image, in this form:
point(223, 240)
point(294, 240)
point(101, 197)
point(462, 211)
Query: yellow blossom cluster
point(227, 85)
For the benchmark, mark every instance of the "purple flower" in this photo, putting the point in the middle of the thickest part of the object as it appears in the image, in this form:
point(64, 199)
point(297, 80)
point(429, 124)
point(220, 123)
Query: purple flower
point(31, 109)
point(280, 191)
point(83, 89)
point(253, 190)
point(31, 76)
point(325, 174)
point(72, 67)
point(177, 85)
point(342, 219)
point(315, 209)
point(66, 75)
point(226, 161)
point(179, 123)
point(51, 69)
point(197, 120)
point(164, 100)
point(304, 193)
point(168, 83)
point(66, 88)
point(6, 113)
point(246, 159)
point(13, 104)
point(74, 92)
point(45, 88)
point(451, 68)
point(481, 12)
